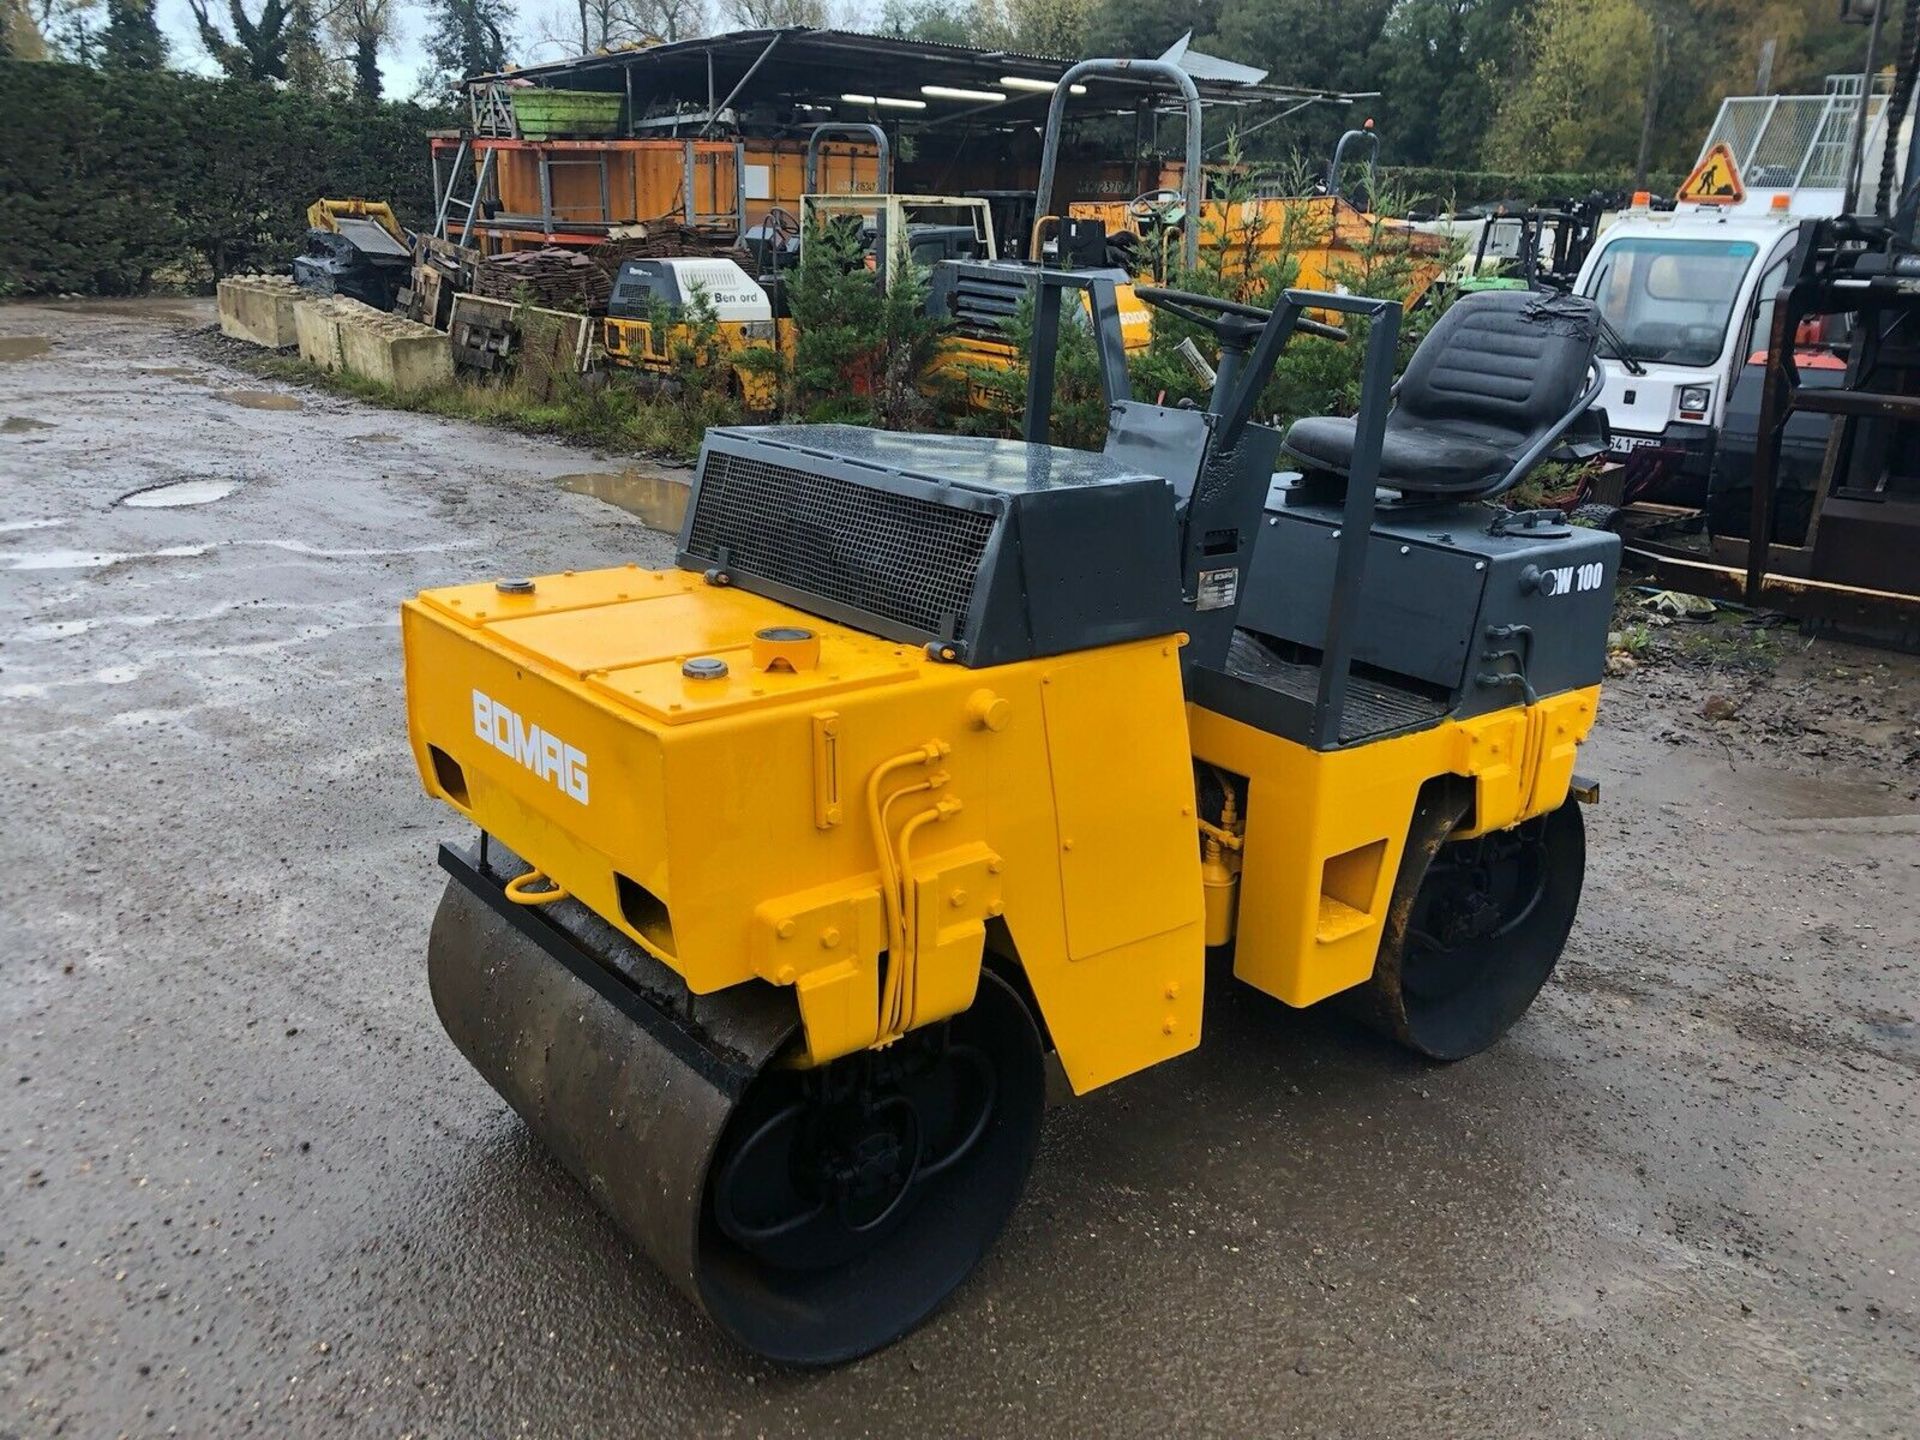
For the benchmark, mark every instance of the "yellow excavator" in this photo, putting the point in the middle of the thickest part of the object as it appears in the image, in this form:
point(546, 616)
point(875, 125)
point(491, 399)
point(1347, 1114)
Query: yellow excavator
point(938, 760)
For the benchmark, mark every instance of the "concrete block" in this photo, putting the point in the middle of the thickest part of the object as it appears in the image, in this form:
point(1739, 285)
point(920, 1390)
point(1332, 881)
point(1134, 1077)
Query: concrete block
point(394, 351)
point(316, 323)
point(259, 310)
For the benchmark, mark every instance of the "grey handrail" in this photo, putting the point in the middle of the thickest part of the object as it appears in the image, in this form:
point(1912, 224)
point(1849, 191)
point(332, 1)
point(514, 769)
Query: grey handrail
point(1339, 158)
point(1155, 69)
point(1109, 345)
point(1550, 437)
point(851, 129)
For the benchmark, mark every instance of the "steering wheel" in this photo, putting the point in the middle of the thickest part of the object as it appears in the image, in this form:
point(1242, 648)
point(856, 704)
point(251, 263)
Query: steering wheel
point(1156, 207)
point(1228, 321)
point(783, 222)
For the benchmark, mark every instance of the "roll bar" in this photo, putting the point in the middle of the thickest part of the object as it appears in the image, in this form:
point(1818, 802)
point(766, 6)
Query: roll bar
point(1109, 345)
point(1154, 69)
point(850, 129)
point(1340, 155)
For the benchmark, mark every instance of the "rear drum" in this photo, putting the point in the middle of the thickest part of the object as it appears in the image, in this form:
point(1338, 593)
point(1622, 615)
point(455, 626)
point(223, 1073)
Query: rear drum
point(845, 1203)
point(1475, 929)
point(816, 1215)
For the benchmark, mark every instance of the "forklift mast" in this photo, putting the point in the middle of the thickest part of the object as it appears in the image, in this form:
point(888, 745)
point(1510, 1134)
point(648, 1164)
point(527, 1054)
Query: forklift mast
point(1864, 523)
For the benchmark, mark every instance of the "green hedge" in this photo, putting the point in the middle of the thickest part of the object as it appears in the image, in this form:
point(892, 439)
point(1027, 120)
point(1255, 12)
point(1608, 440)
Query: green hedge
point(1479, 187)
point(116, 182)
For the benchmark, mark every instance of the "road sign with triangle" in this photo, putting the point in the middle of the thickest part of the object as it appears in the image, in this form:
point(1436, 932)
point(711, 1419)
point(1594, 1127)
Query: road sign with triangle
point(1714, 181)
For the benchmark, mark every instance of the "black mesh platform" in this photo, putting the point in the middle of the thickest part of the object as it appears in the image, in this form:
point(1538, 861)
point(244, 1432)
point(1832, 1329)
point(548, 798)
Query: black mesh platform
point(1374, 707)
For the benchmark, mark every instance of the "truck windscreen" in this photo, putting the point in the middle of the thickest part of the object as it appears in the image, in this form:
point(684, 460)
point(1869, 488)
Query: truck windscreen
point(1670, 299)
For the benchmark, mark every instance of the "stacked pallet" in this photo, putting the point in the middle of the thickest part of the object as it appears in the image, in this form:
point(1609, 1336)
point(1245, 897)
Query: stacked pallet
point(555, 278)
point(665, 240)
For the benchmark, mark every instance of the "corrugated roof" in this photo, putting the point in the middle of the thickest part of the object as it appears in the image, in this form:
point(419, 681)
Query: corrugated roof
point(798, 63)
point(1203, 66)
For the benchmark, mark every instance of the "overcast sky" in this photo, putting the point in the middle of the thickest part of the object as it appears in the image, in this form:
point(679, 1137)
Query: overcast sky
point(401, 64)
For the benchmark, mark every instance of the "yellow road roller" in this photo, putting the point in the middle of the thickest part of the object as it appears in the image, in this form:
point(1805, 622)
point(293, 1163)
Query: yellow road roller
point(940, 760)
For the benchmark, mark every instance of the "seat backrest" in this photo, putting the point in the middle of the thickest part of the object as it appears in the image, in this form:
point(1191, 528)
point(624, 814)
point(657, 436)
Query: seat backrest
point(1512, 360)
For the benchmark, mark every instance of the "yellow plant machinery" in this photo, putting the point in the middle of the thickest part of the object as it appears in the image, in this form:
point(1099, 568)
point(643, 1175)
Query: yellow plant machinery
point(936, 755)
point(666, 315)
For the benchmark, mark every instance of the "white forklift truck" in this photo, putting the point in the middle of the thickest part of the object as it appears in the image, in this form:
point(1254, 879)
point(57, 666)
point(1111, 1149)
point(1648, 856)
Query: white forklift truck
point(1686, 293)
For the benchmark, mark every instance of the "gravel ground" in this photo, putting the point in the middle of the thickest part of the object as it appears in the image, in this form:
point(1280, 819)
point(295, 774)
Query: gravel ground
point(249, 1188)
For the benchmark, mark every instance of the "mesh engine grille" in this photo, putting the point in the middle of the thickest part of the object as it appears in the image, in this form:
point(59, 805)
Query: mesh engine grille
point(897, 557)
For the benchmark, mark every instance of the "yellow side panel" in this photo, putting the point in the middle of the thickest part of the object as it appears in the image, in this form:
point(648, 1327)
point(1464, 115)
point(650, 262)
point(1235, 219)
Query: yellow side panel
point(1129, 992)
point(1123, 801)
point(1306, 812)
point(1325, 830)
point(1125, 1010)
point(706, 795)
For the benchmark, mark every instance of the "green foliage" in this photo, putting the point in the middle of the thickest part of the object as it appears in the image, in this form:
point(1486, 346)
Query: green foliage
point(1579, 101)
point(926, 20)
point(615, 411)
point(1147, 27)
point(1438, 65)
point(132, 38)
point(700, 370)
point(1079, 415)
point(119, 181)
point(1314, 376)
point(1434, 188)
point(861, 353)
point(308, 68)
point(361, 29)
point(1589, 77)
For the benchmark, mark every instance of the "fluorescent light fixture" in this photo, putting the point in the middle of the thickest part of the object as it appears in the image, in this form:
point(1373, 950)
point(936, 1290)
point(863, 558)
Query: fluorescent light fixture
point(1021, 82)
point(949, 92)
point(885, 100)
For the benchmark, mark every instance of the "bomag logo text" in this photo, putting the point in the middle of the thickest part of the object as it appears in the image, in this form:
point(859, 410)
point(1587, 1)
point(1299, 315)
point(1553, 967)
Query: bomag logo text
point(541, 751)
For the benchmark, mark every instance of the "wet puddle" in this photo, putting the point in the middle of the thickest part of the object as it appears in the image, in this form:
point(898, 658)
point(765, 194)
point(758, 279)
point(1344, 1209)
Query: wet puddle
point(260, 399)
point(93, 559)
point(1800, 802)
point(23, 347)
point(21, 424)
point(173, 372)
point(179, 493)
point(660, 502)
point(378, 437)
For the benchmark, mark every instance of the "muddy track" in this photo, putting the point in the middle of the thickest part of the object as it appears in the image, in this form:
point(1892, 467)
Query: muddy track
point(250, 1189)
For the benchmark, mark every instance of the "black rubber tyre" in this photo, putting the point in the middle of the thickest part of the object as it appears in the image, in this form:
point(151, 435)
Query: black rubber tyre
point(843, 1205)
point(1475, 929)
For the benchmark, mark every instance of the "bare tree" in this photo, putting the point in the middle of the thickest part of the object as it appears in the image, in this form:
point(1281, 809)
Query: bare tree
point(773, 14)
point(584, 26)
point(671, 19)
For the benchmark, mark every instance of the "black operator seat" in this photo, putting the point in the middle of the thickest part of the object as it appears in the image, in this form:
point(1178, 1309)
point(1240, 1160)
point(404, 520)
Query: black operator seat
point(1496, 382)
